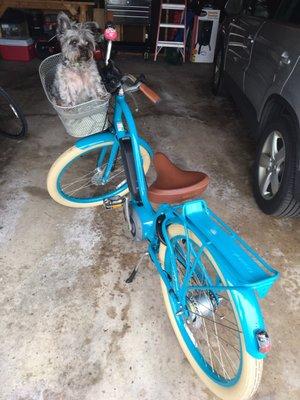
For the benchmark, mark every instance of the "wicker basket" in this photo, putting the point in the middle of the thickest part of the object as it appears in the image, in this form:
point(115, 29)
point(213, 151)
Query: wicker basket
point(81, 120)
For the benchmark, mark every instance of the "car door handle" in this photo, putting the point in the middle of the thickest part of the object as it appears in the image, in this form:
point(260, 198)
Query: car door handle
point(285, 58)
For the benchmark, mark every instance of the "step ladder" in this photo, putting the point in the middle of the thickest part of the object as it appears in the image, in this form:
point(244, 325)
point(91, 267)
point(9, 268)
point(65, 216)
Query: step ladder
point(164, 14)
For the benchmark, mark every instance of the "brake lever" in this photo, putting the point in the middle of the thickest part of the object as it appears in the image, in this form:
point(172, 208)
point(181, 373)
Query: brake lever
point(135, 81)
point(142, 78)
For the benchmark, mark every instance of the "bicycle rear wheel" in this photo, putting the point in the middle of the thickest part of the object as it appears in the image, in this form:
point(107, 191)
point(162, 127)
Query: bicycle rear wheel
point(76, 177)
point(209, 332)
point(12, 120)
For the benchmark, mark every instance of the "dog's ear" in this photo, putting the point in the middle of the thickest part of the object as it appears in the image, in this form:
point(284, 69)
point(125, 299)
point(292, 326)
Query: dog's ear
point(63, 23)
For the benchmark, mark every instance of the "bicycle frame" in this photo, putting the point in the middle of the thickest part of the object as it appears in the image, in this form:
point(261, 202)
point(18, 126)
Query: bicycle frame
point(122, 109)
point(216, 237)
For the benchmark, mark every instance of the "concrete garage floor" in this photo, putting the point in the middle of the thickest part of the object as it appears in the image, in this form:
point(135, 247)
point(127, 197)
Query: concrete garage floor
point(70, 328)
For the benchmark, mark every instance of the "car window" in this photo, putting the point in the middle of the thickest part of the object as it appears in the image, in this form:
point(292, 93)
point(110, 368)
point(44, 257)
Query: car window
point(261, 8)
point(289, 11)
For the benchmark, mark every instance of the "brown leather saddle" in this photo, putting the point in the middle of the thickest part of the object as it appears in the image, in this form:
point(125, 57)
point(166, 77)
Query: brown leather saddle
point(174, 185)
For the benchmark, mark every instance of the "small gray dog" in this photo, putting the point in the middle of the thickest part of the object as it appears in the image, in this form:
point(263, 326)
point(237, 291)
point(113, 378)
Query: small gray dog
point(77, 79)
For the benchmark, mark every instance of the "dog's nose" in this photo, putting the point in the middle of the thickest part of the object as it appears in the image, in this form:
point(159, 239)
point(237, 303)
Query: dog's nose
point(83, 49)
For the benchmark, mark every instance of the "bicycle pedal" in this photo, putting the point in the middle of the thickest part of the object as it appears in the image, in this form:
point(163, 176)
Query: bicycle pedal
point(114, 202)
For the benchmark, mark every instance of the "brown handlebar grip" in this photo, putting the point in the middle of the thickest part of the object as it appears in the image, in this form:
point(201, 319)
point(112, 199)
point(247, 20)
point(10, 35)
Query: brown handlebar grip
point(152, 96)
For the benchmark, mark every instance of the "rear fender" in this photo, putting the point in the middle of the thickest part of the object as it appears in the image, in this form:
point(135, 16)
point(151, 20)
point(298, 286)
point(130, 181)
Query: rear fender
point(251, 319)
point(247, 306)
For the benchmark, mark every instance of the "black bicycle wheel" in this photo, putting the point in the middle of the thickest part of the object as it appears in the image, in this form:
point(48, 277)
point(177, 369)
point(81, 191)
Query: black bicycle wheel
point(12, 120)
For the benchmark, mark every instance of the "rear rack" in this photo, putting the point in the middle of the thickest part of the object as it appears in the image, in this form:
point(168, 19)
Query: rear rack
point(243, 265)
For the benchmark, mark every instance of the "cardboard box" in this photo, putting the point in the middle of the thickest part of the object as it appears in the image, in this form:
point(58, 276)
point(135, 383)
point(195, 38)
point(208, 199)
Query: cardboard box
point(17, 49)
point(204, 36)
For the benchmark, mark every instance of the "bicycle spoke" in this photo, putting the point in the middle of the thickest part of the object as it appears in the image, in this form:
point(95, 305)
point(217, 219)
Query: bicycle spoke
point(78, 180)
point(115, 175)
point(219, 316)
point(217, 358)
point(212, 321)
point(209, 347)
point(218, 342)
point(81, 187)
point(229, 344)
point(231, 363)
point(82, 180)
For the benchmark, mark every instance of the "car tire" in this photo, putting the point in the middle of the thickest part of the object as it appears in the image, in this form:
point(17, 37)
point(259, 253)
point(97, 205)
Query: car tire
point(218, 86)
point(275, 170)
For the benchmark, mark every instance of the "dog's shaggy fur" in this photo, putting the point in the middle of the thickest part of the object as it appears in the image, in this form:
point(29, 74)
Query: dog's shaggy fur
point(77, 79)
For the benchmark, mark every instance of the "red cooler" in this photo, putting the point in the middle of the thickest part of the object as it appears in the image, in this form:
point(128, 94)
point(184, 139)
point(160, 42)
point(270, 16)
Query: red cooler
point(17, 49)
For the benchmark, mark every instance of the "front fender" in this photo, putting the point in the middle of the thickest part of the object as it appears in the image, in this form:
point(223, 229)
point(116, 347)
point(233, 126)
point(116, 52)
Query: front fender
point(94, 140)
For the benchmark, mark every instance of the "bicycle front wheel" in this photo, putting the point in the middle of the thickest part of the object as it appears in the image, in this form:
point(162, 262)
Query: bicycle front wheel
point(80, 177)
point(209, 332)
point(12, 120)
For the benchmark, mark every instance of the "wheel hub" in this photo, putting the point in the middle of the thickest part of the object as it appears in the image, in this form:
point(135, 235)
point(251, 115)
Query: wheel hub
point(201, 306)
point(97, 177)
point(274, 166)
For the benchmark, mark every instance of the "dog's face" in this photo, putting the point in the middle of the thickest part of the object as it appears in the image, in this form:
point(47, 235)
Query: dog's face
point(77, 41)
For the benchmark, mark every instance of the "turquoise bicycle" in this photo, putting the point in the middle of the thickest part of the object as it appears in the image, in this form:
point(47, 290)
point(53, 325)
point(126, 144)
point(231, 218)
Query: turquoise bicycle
point(211, 279)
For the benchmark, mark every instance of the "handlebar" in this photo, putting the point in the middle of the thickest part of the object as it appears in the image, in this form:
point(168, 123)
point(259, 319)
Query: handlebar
point(110, 34)
point(139, 85)
point(149, 93)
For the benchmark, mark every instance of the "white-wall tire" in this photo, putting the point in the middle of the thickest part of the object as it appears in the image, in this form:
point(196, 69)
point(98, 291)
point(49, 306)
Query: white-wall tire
point(70, 154)
point(251, 372)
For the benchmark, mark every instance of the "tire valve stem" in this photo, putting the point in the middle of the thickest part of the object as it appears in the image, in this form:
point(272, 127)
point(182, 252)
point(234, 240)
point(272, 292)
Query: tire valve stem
point(263, 341)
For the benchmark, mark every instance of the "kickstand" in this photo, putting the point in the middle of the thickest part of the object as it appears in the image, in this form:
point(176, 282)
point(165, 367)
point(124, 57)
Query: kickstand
point(133, 273)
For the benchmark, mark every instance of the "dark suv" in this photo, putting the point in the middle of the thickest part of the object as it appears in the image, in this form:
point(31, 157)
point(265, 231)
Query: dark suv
point(258, 62)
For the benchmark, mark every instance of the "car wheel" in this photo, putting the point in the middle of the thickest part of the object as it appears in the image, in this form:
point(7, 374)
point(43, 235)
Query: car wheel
point(275, 169)
point(218, 87)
